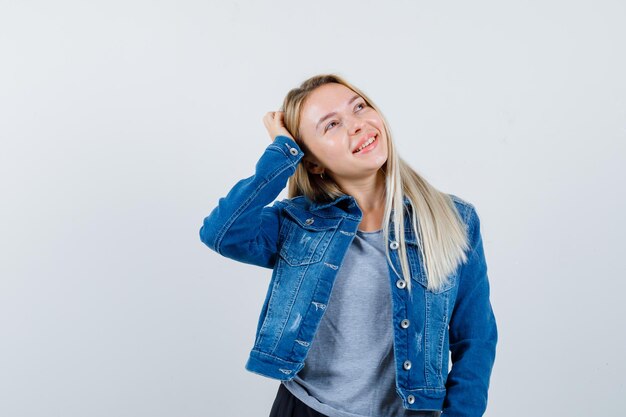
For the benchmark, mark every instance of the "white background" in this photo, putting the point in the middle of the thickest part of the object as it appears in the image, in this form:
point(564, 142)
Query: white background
point(123, 122)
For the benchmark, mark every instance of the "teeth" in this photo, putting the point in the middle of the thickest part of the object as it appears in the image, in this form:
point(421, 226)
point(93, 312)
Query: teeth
point(372, 139)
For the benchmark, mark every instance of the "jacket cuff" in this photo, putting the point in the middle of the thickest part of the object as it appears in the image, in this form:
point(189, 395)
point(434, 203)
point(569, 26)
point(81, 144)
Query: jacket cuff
point(289, 147)
point(272, 367)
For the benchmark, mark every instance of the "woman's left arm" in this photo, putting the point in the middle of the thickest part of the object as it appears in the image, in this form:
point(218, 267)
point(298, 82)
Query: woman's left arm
point(473, 334)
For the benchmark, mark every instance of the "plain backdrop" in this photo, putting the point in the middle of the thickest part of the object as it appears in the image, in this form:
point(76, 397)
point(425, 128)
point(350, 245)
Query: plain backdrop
point(123, 122)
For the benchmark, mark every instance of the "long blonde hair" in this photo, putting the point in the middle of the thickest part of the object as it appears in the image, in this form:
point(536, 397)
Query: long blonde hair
point(440, 232)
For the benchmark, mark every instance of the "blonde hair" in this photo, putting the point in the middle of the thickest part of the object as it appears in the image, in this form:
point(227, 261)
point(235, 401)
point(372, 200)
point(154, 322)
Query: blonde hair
point(440, 232)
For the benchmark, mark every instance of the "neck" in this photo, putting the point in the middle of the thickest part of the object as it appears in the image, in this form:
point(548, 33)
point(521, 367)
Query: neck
point(369, 192)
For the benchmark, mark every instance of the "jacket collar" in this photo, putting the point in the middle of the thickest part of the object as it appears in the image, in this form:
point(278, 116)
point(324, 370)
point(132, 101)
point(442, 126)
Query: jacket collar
point(346, 200)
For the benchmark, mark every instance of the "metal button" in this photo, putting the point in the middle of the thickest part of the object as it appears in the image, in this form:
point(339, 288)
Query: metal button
point(309, 221)
point(404, 323)
point(394, 245)
point(410, 399)
point(407, 365)
point(293, 151)
point(401, 284)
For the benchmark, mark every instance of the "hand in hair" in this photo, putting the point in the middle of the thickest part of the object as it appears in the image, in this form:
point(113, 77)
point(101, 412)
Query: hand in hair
point(275, 125)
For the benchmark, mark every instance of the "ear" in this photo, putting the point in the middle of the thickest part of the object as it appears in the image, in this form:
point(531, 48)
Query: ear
point(312, 165)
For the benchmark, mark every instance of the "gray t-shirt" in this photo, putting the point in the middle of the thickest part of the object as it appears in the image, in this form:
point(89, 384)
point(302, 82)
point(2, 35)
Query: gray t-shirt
point(350, 370)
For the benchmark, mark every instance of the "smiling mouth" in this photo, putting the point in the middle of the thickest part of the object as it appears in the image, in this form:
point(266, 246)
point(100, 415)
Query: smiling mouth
point(366, 146)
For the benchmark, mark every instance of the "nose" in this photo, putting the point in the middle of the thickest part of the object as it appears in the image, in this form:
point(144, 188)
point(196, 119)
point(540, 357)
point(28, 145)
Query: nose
point(355, 125)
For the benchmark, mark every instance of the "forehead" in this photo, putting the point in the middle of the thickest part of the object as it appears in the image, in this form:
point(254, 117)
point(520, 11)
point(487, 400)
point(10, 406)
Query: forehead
point(323, 100)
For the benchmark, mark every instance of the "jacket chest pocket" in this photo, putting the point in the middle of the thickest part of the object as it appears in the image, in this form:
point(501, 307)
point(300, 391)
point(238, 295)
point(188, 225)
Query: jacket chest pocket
point(418, 271)
point(306, 237)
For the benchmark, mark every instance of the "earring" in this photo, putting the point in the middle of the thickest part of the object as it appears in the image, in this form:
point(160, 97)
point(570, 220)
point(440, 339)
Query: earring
point(322, 175)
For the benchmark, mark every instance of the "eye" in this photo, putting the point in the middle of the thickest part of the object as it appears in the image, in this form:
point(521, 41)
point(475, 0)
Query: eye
point(363, 105)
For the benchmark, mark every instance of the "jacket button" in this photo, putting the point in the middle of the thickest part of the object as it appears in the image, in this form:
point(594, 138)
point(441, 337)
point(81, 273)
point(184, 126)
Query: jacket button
point(405, 323)
point(407, 365)
point(394, 245)
point(308, 221)
point(400, 284)
point(293, 151)
point(410, 399)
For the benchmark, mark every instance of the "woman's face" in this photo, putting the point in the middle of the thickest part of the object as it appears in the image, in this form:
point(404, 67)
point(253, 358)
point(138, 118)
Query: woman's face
point(334, 122)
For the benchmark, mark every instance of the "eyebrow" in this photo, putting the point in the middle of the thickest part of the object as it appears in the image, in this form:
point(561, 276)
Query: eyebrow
point(331, 114)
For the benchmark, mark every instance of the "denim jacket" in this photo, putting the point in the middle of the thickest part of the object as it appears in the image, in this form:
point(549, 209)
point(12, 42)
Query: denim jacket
point(304, 242)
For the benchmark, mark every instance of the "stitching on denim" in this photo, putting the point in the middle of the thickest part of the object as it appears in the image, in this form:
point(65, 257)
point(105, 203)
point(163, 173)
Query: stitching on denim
point(323, 215)
point(302, 342)
point(262, 330)
point(428, 301)
point(331, 265)
point(290, 307)
point(259, 352)
point(472, 249)
point(313, 227)
point(317, 305)
point(290, 201)
point(347, 233)
point(442, 336)
point(285, 371)
point(274, 146)
point(438, 390)
point(306, 314)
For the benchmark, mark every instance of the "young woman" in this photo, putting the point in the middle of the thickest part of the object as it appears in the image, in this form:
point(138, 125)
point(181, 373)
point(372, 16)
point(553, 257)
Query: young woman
point(404, 264)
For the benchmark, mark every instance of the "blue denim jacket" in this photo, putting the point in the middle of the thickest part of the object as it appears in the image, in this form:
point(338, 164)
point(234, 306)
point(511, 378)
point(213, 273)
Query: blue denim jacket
point(304, 242)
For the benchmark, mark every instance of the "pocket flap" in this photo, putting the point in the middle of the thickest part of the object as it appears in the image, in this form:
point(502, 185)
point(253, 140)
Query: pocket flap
point(418, 271)
point(308, 221)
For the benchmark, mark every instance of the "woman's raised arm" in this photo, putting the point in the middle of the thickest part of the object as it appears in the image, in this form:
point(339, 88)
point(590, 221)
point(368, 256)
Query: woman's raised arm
point(241, 227)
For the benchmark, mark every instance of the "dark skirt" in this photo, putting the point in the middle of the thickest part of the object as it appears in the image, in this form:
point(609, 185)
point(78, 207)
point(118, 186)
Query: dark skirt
point(288, 405)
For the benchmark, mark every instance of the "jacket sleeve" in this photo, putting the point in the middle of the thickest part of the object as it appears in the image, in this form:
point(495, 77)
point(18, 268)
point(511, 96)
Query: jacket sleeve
point(473, 334)
point(241, 227)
